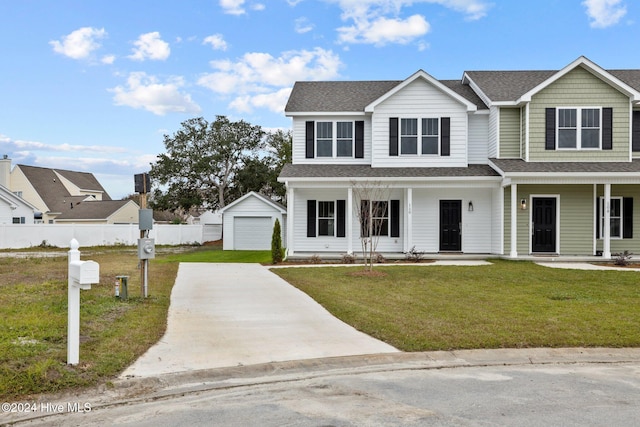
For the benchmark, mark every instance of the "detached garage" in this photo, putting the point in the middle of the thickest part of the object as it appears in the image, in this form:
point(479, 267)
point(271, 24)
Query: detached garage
point(248, 222)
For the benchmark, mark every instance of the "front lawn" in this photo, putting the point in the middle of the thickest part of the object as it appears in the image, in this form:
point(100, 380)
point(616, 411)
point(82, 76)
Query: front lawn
point(508, 304)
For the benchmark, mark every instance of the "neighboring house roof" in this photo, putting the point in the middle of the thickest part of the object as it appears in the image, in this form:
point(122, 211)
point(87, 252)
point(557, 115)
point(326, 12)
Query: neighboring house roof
point(511, 86)
point(342, 172)
point(94, 210)
point(518, 166)
point(52, 191)
point(259, 196)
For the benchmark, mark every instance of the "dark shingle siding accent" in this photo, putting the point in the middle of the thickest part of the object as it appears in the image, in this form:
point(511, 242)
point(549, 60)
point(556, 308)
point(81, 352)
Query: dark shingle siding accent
point(365, 171)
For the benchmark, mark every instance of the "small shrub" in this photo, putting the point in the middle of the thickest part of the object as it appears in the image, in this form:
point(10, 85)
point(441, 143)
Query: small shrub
point(414, 255)
point(45, 244)
point(314, 259)
point(349, 258)
point(276, 243)
point(622, 258)
point(379, 259)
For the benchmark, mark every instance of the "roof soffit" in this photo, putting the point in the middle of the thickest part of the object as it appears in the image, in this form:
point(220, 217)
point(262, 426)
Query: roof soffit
point(420, 74)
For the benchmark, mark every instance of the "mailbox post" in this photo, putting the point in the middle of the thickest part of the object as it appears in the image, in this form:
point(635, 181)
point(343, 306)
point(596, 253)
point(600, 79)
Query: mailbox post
point(81, 275)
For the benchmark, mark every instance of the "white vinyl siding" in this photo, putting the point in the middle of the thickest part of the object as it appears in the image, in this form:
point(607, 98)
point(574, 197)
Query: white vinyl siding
point(420, 100)
point(478, 139)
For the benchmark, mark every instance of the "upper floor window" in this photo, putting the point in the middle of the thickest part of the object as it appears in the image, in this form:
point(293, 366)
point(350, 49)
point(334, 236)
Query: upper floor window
point(579, 128)
point(334, 139)
point(419, 136)
point(342, 144)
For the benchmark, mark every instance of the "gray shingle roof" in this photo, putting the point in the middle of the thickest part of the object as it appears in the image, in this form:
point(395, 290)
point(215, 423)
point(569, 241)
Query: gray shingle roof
point(54, 194)
point(366, 171)
point(520, 166)
point(93, 210)
point(337, 95)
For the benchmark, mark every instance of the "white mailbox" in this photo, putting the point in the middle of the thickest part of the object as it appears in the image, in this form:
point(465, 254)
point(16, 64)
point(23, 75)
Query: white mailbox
point(84, 273)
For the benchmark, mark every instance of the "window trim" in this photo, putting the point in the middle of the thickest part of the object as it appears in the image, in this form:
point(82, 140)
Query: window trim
point(620, 217)
point(579, 128)
point(420, 135)
point(334, 139)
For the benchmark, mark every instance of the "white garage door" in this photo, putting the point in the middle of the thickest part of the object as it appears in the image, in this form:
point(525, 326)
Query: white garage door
point(252, 233)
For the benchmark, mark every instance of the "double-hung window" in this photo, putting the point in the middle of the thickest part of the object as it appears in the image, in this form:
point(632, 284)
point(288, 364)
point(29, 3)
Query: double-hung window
point(324, 139)
point(374, 218)
point(326, 218)
point(338, 134)
point(615, 218)
point(427, 128)
point(579, 128)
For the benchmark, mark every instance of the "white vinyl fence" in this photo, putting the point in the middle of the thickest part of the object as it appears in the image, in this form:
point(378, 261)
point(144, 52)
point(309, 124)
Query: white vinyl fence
point(25, 235)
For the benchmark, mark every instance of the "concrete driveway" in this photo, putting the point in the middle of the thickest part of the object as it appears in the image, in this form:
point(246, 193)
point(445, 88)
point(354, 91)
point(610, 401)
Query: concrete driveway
point(224, 315)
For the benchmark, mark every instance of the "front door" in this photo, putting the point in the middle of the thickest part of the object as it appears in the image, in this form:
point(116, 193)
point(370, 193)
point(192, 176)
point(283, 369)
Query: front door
point(450, 225)
point(544, 224)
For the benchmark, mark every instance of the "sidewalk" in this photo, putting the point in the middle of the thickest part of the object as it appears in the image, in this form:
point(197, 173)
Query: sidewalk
point(226, 315)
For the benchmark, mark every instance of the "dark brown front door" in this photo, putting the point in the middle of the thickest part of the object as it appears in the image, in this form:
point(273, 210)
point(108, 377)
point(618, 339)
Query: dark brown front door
point(450, 225)
point(544, 224)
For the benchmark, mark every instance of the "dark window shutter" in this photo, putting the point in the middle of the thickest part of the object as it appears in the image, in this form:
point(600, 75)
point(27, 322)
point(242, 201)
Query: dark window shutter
point(310, 139)
point(341, 210)
point(635, 132)
point(550, 129)
point(598, 235)
point(627, 217)
point(607, 128)
point(311, 218)
point(445, 136)
point(395, 218)
point(359, 139)
point(393, 136)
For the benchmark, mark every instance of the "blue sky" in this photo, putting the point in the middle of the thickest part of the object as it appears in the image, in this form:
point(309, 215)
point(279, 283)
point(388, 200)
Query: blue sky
point(94, 85)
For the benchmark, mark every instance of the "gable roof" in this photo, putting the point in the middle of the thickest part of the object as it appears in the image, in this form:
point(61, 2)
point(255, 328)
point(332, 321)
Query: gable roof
point(52, 191)
point(13, 200)
point(94, 210)
point(258, 196)
point(355, 96)
point(518, 86)
point(421, 75)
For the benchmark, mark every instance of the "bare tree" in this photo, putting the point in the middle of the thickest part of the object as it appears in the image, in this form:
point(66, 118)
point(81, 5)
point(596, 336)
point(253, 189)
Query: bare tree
point(371, 206)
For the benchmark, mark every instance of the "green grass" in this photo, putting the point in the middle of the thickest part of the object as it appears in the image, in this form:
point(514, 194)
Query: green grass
point(507, 304)
point(205, 254)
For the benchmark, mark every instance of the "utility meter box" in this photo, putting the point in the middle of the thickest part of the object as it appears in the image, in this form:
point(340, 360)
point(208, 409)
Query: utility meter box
point(84, 273)
point(146, 249)
point(145, 219)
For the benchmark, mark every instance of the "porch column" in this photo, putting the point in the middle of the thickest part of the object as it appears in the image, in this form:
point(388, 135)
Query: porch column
point(514, 221)
point(408, 228)
point(349, 215)
point(606, 227)
point(290, 216)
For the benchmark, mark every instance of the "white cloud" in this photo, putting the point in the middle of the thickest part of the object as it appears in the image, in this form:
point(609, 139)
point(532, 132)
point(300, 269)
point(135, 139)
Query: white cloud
point(604, 13)
point(216, 41)
point(379, 22)
point(150, 46)
point(146, 92)
point(80, 43)
point(108, 59)
point(382, 31)
point(232, 7)
point(10, 144)
point(261, 80)
point(302, 25)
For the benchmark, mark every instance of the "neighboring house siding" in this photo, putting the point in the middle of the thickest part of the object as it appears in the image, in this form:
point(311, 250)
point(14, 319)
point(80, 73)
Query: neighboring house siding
point(494, 119)
point(510, 133)
point(478, 138)
point(420, 100)
point(579, 88)
point(523, 133)
point(128, 214)
point(299, 137)
point(19, 182)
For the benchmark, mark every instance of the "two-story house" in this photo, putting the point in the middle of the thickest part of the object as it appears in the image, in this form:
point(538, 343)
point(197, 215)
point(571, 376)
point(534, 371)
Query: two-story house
point(509, 163)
